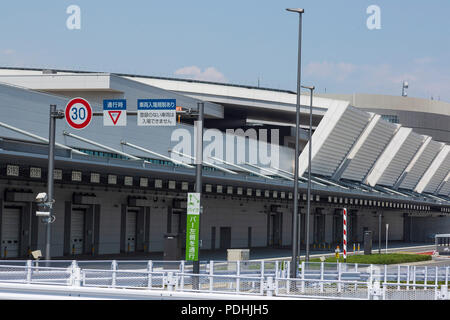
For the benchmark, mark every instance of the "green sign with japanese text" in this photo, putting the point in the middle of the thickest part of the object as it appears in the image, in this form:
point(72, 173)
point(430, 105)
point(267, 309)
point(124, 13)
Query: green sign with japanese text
point(192, 226)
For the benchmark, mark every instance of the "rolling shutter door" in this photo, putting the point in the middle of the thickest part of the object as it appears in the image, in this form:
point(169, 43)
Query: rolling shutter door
point(10, 232)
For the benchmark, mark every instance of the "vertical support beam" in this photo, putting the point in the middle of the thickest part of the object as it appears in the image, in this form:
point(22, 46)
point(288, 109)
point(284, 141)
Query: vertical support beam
point(123, 227)
point(97, 213)
point(51, 165)
point(140, 232)
point(295, 234)
point(89, 230)
point(169, 219)
point(147, 230)
point(269, 235)
point(67, 227)
point(25, 241)
point(198, 176)
point(34, 228)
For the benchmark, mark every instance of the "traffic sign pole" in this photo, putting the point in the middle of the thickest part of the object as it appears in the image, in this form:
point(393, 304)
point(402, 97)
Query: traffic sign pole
point(54, 114)
point(199, 161)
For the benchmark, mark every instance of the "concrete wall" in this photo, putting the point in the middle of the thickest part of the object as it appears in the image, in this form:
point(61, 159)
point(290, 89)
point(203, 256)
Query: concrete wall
point(234, 213)
point(238, 214)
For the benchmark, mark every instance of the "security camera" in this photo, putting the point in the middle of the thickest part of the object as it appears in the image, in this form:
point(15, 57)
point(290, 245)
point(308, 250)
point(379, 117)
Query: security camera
point(36, 254)
point(42, 197)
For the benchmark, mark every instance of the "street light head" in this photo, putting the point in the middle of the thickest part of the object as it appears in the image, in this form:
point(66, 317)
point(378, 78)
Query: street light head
point(308, 87)
point(298, 10)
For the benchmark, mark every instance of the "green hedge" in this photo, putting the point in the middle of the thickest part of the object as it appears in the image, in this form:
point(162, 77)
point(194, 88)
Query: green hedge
point(387, 258)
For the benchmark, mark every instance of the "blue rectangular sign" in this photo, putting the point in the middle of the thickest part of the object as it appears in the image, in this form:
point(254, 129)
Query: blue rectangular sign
point(156, 104)
point(115, 104)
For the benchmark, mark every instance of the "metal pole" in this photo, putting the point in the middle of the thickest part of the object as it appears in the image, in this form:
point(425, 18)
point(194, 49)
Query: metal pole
point(379, 233)
point(51, 165)
point(198, 172)
point(308, 212)
point(387, 231)
point(293, 270)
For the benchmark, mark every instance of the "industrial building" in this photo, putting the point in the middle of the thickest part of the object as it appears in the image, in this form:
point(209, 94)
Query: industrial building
point(120, 189)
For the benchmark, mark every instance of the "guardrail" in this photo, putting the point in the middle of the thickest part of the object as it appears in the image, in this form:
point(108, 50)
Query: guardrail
point(316, 280)
point(275, 269)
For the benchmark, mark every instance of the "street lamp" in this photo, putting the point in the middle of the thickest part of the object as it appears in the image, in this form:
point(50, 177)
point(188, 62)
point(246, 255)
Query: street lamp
point(311, 89)
point(54, 114)
point(198, 172)
point(297, 135)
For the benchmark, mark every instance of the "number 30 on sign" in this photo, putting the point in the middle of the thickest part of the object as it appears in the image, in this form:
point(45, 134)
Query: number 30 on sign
point(78, 113)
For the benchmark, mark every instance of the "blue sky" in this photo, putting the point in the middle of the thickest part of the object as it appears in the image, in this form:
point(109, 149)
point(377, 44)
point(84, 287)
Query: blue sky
point(240, 42)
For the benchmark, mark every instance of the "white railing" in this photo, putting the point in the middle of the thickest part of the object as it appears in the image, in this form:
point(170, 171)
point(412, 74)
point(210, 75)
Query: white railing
point(315, 280)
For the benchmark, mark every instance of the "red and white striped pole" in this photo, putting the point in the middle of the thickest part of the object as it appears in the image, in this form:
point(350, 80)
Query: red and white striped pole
point(345, 233)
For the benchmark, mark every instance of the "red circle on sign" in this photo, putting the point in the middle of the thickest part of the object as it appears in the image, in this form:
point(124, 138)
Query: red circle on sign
point(76, 114)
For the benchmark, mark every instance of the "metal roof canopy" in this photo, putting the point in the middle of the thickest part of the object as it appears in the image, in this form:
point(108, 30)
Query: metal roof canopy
point(241, 168)
point(209, 164)
point(395, 158)
point(436, 173)
point(32, 135)
point(127, 167)
point(444, 189)
point(334, 137)
point(100, 145)
point(368, 148)
point(269, 171)
point(419, 164)
point(155, 154)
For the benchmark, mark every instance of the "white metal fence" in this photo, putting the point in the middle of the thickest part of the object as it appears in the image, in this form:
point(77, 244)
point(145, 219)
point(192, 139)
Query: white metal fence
point(314, 280)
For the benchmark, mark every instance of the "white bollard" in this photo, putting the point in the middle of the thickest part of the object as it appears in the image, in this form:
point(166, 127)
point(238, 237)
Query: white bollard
point(238, 273)
point(29, 270)
point(211, 275)
point(149, 273)
point(269, 287)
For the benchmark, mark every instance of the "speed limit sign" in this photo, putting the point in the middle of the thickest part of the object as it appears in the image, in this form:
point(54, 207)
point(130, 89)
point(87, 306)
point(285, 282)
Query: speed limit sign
point(78, 113)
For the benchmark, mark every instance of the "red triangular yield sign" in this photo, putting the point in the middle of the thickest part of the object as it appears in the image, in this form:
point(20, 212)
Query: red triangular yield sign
point(114, 116)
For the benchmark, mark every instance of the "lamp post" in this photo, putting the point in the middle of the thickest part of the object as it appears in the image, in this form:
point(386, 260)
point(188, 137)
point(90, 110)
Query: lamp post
point(379, 233)
point(308, 211)
point(198, 175)
point(54, 114)
point(297, 135)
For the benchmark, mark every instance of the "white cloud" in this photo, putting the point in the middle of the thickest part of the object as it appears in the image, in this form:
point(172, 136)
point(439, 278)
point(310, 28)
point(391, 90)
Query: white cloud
point(194, 72)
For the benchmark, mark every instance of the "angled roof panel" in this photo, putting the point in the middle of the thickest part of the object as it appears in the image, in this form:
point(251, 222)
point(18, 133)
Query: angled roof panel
point(395, 158)
point(445, 188)
point(436, 173)
point(369, 149)
point(334, 137)
point(420, 164)
point(402, 159)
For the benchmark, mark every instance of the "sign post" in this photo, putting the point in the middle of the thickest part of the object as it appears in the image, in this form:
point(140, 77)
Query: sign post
point(192, 226)
point(387, 232)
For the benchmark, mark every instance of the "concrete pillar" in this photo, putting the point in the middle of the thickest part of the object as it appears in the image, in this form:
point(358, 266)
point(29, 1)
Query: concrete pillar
point(328, 226)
